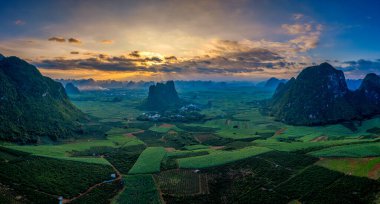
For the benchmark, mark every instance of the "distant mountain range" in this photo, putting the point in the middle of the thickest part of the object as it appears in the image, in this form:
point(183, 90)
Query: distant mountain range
point(353, 84)
point(71, 89)
point(273, 82)
point(270, 83)
point(91, 84)
point(33, 106)
point(319, 95)
point(162, 96)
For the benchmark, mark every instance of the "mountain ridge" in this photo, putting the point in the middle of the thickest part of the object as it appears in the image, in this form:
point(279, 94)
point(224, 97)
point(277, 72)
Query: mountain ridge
point(32, 105)
point(326, 99)
point(162, 96)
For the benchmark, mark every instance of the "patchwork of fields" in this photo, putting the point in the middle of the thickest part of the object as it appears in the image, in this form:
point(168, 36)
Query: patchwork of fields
point(236, 155)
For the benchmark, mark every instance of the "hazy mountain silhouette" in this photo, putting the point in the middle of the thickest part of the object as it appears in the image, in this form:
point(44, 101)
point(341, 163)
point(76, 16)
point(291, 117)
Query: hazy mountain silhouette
point(162, 96)
point(273, 82)
point(71, 89)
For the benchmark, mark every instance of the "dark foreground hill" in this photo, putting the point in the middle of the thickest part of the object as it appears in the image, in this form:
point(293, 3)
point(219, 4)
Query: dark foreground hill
point(162, 96)
point(319, 95)
point(32, 105)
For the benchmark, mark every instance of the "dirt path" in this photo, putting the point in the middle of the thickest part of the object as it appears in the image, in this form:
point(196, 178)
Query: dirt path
point(119, 177)
point(217, 147)
point(159, 190)
point(279, 132)
point(166, 125)
point(131, 134)
point(320, 138)
point(375, 172)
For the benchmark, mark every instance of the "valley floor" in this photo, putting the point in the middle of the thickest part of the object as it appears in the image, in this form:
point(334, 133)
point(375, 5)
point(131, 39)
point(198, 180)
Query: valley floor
point(237, 155)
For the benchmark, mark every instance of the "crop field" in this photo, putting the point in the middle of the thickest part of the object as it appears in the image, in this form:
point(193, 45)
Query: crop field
point(164, 128)
point(292, 145)
point(180, 182)
point(280, 177)
point(62, 151)
point(96, 105)
point(149, 161)
point(52, 176)
point(363, 167)
point(195, 147)
point(138, 189)
point(355, 150)
point(124, 158)
point(216, 158)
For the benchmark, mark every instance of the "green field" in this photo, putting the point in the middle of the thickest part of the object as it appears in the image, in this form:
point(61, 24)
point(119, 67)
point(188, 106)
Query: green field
point(62, 151)
point(355, 150)
point(363, 167)
point(299, 145)
point(182, 182)
point(138, 189)
point(30, 173)
point(217, 158)
point(149, 161)
point(163, 128)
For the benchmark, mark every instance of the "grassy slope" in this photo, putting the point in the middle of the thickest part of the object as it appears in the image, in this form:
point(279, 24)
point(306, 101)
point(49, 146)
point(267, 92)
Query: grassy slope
point(294, 146)
point(53, 176)
point(61, 151)
point(217, 158)
point(353, 166)
point(355, 150)
point(149, 161)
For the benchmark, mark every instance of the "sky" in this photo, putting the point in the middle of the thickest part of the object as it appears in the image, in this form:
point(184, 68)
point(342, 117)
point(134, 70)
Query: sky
point(187, 40)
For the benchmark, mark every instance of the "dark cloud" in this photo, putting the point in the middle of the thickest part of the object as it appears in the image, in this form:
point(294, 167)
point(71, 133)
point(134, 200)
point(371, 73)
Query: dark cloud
point(103, 56)
point(229, 50)
point(121, 63)
point(74, 52)
point(57, 39)
point(208, 70)
point(226, 57)
point(361, 66)
point(90, 63)
point(171, 58)
point(73, 40)
point(135, 54)
point(153, 59)
point(207, 62)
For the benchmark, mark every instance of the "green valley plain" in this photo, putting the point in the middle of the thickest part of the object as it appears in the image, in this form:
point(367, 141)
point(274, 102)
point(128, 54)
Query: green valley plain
point(234, 154)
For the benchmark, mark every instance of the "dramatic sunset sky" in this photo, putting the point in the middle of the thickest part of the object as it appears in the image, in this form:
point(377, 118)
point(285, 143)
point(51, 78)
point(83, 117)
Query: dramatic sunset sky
point(197, 39)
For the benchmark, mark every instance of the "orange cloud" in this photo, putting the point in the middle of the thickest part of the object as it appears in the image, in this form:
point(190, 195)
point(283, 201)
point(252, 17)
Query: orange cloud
point(297, 28)
point(107, 42)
